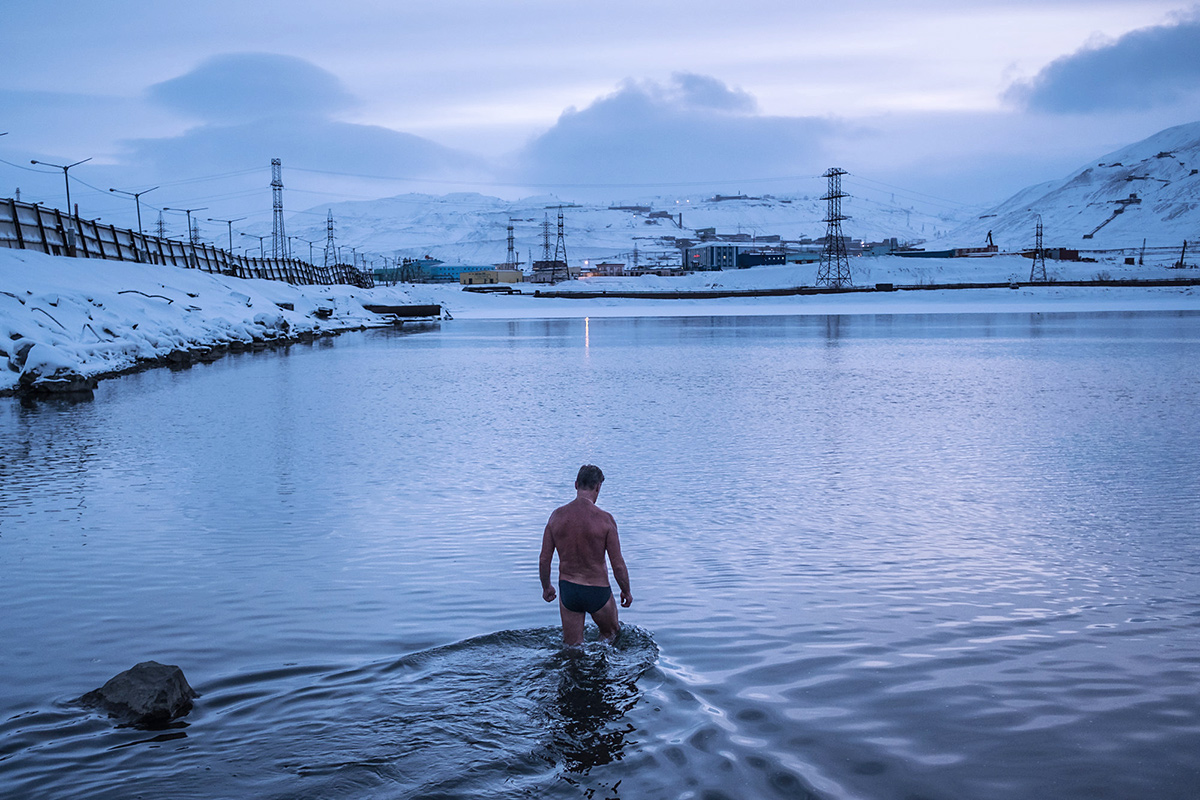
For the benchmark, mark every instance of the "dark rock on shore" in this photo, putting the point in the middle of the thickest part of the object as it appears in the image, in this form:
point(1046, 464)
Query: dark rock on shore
point(150, 694)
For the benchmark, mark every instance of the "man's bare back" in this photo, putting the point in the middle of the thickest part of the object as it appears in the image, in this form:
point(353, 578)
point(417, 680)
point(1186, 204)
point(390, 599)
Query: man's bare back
point(583, 534)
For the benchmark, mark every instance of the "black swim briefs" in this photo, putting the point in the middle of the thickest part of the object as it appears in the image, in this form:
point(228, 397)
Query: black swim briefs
point(583, 599)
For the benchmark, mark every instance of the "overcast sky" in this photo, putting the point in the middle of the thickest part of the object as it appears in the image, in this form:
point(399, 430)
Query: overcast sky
point(966, 102)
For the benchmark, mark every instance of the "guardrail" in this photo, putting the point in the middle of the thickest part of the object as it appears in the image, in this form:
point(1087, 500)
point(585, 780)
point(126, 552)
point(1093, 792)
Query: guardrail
point(24, 226)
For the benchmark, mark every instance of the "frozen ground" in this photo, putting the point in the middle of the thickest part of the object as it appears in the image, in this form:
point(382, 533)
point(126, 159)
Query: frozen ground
point(90, 317)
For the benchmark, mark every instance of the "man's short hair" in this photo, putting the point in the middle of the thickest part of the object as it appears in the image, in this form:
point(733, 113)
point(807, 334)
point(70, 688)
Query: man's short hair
point(589, 477)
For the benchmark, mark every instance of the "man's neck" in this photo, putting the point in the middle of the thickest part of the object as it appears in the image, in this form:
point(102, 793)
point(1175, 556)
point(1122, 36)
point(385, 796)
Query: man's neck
point(589, 495)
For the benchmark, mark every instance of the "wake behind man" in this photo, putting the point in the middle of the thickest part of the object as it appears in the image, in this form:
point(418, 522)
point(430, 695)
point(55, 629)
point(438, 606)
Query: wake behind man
point(583, 534)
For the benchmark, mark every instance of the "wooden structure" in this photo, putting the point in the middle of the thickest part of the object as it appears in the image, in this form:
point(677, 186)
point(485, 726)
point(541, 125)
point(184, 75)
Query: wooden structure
point(24, 226)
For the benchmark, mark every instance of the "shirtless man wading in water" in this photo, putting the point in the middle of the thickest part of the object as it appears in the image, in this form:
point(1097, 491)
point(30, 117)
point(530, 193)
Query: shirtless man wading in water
point(582, 534)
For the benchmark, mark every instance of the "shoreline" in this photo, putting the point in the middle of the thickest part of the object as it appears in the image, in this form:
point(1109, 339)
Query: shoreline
point(75, 322)
point(82, 386)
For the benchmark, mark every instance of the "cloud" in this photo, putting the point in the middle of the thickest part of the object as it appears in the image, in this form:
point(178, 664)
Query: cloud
point(241, 87)
point(691, 128)
point(325, 145)
point(1145, 68)
point(254, 107)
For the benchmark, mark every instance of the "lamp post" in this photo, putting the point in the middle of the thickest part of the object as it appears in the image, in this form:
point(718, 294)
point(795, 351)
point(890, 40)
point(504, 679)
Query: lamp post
point(228, 222)
point(260, 242)
point(137, 200)
point(188, 211)
point(310, 248)
point(66, 179)
point(293, 252)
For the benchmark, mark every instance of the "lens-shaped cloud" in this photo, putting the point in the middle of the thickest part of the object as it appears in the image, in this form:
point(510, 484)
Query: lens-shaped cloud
point(242, 87)
point(1145, 68)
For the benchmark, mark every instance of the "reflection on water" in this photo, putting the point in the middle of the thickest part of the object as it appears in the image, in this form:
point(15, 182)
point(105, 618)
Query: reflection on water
point(886, 556)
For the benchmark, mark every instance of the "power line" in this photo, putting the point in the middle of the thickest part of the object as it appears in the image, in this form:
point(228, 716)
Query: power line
point(914, 192)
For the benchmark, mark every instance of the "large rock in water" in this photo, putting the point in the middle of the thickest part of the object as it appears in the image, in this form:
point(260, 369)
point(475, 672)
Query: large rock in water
point(148, 694)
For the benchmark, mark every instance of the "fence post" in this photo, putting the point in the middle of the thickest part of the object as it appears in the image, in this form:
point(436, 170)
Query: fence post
point(17, 224)
point(37, 210)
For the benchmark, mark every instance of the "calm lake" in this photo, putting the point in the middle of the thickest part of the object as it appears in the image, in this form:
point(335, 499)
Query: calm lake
point(912, 557)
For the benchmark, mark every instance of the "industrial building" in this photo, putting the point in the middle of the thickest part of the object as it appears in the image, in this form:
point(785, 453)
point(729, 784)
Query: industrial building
point(476, 276)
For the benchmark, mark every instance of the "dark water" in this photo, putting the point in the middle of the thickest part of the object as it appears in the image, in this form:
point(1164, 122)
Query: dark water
point(872, 557)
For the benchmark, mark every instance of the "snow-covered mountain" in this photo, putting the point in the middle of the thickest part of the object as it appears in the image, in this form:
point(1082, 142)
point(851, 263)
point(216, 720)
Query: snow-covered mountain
point(472, 228)
point(1149, 190)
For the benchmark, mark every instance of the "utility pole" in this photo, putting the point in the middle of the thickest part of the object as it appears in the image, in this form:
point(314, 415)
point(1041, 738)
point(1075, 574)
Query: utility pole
point(834, 269)
point(137, 201)
point(228, 222)
point(66, 179)
point(191, 231)
point(279, 243)
point(1038, 271)
point(260, 243)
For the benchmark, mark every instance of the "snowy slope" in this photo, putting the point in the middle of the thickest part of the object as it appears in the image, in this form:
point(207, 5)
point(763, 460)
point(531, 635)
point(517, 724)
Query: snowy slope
point(1148, 190)
point(472, 228)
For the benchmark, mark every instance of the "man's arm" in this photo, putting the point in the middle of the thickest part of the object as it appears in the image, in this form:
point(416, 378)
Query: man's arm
point(612, 545)
point(544, 562)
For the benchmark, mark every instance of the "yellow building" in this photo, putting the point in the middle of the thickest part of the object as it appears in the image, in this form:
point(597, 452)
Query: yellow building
point(485, 276)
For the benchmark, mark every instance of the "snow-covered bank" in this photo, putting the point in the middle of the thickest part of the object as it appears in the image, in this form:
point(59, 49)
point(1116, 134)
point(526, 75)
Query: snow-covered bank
point(63, 317)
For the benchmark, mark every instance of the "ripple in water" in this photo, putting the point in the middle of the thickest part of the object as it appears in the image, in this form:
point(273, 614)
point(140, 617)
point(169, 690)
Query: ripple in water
point(508, 714)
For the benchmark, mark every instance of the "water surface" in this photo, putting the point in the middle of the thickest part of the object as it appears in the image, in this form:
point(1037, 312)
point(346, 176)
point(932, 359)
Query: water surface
point(936, 556)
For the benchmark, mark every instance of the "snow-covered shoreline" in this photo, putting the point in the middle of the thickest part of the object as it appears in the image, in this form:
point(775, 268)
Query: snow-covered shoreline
point(68, 322)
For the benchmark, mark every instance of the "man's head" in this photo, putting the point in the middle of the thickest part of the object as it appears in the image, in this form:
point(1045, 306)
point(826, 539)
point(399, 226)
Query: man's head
point(589, 477)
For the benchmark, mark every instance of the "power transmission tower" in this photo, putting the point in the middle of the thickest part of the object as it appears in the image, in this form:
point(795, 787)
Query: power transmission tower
point(510, 260)
point(1038, 271)
point(834, 269)
point(330, 247)
point(560, 247)
point(546, 238)
point(160, 227)
point(279, 242)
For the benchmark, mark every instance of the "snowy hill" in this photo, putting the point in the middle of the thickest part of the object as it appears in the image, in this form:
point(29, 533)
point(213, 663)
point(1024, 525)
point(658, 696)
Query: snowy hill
point(472, 228)
point(1148, 190)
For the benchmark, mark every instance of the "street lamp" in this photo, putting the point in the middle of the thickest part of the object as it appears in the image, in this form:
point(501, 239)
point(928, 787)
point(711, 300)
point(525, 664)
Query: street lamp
point(136, 199)
point(293, 252)
point(188, 211)
point(260, 241)
point(65, 178)
point(228, 222)
point(310, 246)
